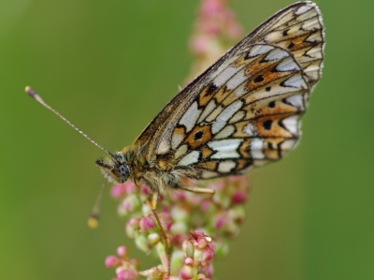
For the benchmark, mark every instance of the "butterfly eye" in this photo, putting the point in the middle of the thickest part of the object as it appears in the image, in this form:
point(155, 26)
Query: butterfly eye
point(123, 171)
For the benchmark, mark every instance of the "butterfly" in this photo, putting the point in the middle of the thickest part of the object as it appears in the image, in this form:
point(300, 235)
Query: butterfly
point(243, 111)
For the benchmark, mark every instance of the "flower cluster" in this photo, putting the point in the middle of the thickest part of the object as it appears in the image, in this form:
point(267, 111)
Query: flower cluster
point(196, 227)
point(198, 252)
point(126, 268)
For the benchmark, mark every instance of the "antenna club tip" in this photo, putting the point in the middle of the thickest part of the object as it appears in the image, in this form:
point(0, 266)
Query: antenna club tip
point(93, 221)
point(28, 90)
point(31, 92)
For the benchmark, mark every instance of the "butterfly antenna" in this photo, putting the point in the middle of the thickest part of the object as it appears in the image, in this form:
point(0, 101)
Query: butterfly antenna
point(94, 219)
point(37, 97)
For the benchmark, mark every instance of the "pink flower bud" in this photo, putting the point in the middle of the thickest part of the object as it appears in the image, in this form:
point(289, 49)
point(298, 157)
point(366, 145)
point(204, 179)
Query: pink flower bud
point(131, 187)
point(154, 238)
point(222, 222)
point(208, 270)
point(207, 255)
point(187, 272)
point(166, 220)
point(111, 261)
point(128, 274)
point(142, 242)
point(179, 239)
point(118, 190)
point(198, 234)
point(239, 197)
point(211, 7)
point(189, 261)
point(146, 223)
point(188, 248)
point(179, 195)
point(132, 227)
point(134, 222)
point(145, 190)
point(154, 273)
point(128, 205)
point(172, 278)
point(207, 205)
point(202, 277)
point(122, 251)
point(201, 243)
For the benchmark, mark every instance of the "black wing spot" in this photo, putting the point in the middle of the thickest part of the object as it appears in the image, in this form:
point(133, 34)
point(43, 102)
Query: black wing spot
point(267, 124)
point(268, 89)
point(259, 79)
point(199, 135)
point(285, 32)
point(270, 145)
point(291, 45)
point(211, 89)
point(271, 104)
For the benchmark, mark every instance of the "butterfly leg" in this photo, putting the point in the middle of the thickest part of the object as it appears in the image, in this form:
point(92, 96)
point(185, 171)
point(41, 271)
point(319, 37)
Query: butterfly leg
point(154, 199)
point(197, 189)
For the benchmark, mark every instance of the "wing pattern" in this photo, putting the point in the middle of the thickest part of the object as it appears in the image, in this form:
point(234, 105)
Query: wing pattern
point(245, 110)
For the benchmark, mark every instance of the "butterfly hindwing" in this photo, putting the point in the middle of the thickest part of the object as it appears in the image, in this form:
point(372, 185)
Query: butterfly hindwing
point(245, 109)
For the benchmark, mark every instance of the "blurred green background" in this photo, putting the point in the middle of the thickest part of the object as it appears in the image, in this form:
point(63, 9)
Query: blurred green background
point(110, 67)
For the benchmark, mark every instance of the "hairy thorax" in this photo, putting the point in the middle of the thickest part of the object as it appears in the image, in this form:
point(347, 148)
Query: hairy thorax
point(159, 174)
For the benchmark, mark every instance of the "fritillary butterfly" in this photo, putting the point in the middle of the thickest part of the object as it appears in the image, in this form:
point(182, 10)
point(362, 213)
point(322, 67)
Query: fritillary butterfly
point(243, 111)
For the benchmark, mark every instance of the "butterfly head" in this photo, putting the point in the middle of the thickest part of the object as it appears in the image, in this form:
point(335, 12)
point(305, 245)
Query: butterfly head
point(115, 168)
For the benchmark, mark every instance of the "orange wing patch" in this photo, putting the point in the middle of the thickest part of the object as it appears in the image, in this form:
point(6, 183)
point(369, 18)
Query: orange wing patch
point(207, 94)
point(199, 136)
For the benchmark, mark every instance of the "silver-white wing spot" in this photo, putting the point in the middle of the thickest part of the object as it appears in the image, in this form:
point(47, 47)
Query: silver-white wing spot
point(288, 145)
point(226, 132)
point(190, 117)
point(163, 147)
point(225, 115)
point(287, 64)
point(236, 80)
point(292, 124)
point(237, 117)
point(241, 91)
point(225, 75)
point(257, 147)
point(227, 148)
point(314, 37)
point(296, 81)
point(218, 110)
point(250, 129)
point(176, 140)
point(190, 158)
point(304, 9)
point(310, 24)
point(295, 100)
point(207, 110)
point(315, 53)
point(226, 166)
point(276, 54)
point(182, 150)
point(222, 67)
point(259, 49)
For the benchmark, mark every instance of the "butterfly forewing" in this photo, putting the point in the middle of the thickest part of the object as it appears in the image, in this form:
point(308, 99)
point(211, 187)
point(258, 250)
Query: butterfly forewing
point(244, 110)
